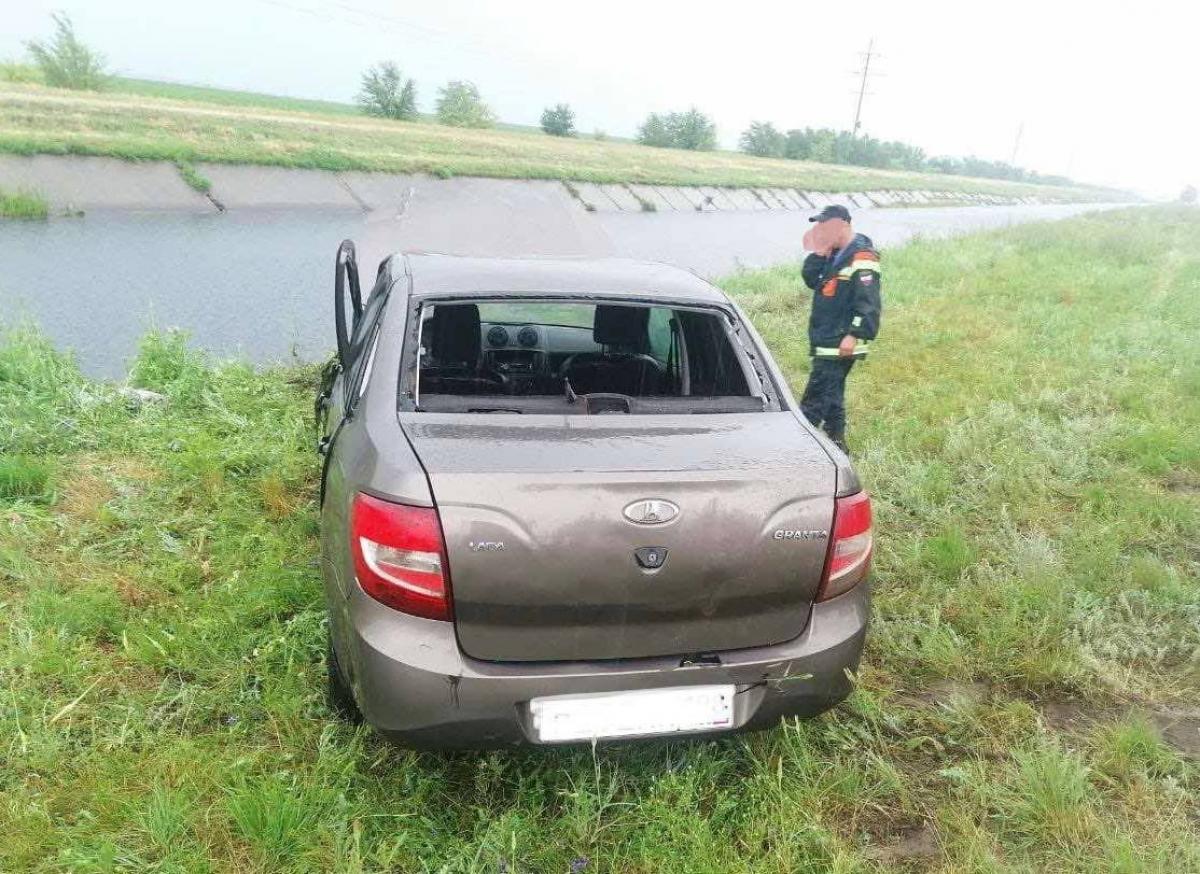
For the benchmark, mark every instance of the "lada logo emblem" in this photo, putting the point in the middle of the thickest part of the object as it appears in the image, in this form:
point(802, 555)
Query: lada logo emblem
point(651, 511)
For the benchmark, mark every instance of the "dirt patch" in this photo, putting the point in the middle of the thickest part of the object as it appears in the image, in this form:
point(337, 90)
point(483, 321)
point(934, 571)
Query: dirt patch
point(1182, 482)
point(911, 845)
point(1180, 728)
point(1075, 717)
point(944, 693)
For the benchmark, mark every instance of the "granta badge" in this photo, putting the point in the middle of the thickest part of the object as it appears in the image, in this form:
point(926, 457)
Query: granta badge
point(651, 511)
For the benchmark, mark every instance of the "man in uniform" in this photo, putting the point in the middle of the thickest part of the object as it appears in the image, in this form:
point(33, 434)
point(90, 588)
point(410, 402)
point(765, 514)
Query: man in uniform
point(843, 272)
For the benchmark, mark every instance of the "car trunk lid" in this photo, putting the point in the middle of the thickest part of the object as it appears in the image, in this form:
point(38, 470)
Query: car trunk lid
point(549, 533)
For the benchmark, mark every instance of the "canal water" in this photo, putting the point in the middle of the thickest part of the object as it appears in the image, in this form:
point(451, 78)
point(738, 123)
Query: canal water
point(256, 284)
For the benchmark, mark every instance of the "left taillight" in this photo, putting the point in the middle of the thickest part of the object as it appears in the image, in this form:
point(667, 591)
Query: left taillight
point(400, 556)
point(849, 558)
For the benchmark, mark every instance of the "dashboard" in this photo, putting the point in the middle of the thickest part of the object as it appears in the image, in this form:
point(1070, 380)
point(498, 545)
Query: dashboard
point(532, 349)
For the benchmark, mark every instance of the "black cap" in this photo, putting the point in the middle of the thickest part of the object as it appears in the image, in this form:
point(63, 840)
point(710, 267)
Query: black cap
point(833, 211)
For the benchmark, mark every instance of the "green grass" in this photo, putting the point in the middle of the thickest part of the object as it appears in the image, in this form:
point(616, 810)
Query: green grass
point(22, 477)
point(1030, 430)
point(23, 205)
point(185, 124)
point(194, 179)
point(17, 71)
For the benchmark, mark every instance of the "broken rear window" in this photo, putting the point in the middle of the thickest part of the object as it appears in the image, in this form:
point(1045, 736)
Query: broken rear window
point(575, 357)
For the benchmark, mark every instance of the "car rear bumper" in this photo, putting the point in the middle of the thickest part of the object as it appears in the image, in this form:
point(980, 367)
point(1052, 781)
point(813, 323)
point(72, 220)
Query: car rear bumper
point(413, 683)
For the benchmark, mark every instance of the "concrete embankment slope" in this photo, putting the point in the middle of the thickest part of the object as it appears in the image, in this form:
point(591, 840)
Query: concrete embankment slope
point(83, 183)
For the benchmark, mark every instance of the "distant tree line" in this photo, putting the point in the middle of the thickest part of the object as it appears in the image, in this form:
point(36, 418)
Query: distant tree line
point(388, 93)
point(828, 146)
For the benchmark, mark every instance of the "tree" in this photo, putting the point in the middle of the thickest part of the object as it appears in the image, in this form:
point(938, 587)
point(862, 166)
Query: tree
point(822, 146)
point(654, 132)
point(460, 105)
point(797, 144)
point(66, 62)
point(679, 130)
point(692, 130)
point(559, 121)
point(902, 156)
point(763, 140)
point(387, 94)
point(1188, 195)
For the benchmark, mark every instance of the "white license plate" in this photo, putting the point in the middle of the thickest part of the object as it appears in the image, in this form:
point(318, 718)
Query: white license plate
point(628, 714)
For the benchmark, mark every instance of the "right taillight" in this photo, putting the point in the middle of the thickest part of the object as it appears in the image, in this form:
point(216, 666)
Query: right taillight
point(849, 557)
point(400, 556)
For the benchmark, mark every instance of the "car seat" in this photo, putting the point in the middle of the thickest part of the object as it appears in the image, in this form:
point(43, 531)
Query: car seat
point(454, 364)
point(623, 366)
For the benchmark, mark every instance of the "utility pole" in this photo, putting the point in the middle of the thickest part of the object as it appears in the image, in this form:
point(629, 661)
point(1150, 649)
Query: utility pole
point(862, 88)
point(1017, 144)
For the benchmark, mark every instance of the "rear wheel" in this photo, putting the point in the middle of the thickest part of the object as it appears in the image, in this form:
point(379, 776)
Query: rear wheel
point(340, 697)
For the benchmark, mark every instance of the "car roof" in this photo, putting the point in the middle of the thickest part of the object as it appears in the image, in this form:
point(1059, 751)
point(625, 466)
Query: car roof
point(438, 275)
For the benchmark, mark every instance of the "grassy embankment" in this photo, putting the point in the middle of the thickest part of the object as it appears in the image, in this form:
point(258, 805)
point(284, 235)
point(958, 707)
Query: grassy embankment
point(188, 125)
point(230, 97)
point(1030, 430)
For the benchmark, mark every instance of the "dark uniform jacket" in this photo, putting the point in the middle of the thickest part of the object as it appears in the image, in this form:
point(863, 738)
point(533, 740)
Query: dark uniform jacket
point(845, 297)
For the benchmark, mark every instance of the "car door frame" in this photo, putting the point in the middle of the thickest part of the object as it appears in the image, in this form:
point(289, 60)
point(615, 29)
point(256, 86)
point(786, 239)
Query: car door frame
point(345, 376)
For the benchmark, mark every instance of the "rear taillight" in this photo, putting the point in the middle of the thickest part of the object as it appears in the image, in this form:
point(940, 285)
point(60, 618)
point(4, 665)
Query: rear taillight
point(849, 557)
point(400, 556)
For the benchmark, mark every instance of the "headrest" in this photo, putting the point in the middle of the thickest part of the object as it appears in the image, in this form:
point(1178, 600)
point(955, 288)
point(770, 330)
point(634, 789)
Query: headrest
point(455, 333)
point(621, 325)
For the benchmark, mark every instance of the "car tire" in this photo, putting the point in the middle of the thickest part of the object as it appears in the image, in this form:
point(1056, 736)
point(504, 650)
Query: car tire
point(339, 694)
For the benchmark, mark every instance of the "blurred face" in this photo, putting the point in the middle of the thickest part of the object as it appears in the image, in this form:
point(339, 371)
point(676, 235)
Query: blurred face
point(824, 237)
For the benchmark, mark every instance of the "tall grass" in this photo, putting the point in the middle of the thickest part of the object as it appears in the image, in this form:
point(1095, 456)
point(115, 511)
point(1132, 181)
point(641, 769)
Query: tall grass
point(23, 205)
point(1028, 430)
point(22, 477)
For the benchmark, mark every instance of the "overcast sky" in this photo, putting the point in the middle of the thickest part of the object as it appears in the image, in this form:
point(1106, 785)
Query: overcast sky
point(1103, 94)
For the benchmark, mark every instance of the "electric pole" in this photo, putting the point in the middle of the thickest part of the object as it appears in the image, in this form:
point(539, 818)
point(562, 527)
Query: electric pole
point(862, 88)
point(1017, 144)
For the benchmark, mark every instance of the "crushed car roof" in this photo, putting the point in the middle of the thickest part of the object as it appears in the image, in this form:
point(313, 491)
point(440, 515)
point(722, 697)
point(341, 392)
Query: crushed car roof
point(603, 277)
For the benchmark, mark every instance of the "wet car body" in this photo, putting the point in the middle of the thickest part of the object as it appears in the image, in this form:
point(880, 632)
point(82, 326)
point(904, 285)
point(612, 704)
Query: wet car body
point(507, 560)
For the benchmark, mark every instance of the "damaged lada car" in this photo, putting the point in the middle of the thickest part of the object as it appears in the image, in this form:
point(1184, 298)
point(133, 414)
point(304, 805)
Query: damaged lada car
point(574, 500)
